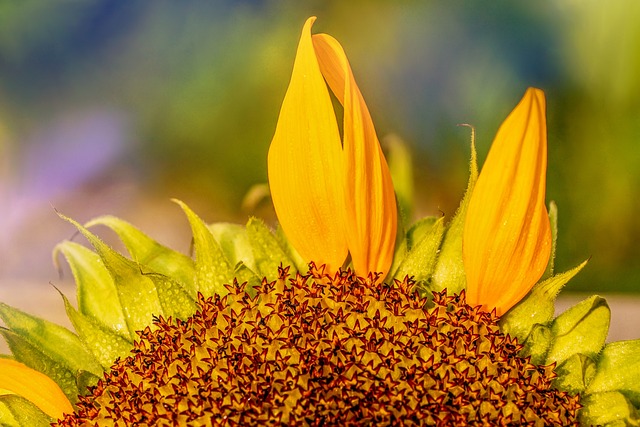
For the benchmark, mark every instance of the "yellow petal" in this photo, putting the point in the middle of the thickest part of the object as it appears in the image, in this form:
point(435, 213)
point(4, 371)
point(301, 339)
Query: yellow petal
point(305, 163)
point(370, 204)
point(507, 236)
point(34, 386)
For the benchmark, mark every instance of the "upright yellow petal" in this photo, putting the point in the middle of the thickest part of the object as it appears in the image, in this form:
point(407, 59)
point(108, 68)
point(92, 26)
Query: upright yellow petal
point(507, 236)
point(370, 204)
point(305, 164)
point(34, 386)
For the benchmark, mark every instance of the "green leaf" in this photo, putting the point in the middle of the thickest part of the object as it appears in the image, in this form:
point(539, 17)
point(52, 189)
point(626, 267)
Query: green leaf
point(618, 369)
point(537, 344)
point(574, 374)
point(18, 411)
point(449, 272)
point(553, 220)
point(537, 307)
point(267, 251)
point(105, 344)
point(607, 409)
point(149, 252)
point(421, 257)
point(581, 329)
point(212, 267)
point(29, 354)
point(136, 292)
point(57, 342)
point(97, 294)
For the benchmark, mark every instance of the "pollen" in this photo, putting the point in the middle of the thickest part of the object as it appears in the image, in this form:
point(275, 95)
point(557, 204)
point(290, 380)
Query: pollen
point(326, 350)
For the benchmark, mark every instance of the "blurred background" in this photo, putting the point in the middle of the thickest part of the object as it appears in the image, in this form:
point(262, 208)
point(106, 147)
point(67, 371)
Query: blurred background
point(112, 107)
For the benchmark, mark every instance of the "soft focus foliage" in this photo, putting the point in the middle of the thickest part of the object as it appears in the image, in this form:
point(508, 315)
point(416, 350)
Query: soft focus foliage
point(162, 99)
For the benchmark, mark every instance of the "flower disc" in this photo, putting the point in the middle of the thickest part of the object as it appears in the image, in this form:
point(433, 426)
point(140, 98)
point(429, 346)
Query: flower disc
point(327, 350)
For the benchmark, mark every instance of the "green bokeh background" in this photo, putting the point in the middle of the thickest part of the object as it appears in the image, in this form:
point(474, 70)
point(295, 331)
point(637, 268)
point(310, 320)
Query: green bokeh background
point(194, 89)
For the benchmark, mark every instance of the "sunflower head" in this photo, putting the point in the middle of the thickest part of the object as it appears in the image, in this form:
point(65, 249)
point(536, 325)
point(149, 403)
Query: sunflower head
point(343, 316)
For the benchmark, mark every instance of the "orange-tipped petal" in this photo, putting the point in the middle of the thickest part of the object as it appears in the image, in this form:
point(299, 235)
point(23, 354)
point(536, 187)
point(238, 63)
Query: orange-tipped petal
point(305, 163)
point(507, 236)
point(34, 386)
point(370, 204)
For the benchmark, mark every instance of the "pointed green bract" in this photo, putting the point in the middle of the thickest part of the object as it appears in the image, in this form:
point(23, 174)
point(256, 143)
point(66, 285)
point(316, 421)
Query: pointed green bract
point(105, 344)
point(234, 242)
point(149, 252)
point(174, 299)
point(298, 262)
point(212, 267)
point(57, 342)
point(581, 329)
point(537, 307)
point(575, 373)
point(421, 257)
point(618, 368)
point(96, 292)
point(16, 411)
point(136, 292)
point(610, 409)
point(537, 344)
point(34, 357)
point(268, 253)
point(449, 272)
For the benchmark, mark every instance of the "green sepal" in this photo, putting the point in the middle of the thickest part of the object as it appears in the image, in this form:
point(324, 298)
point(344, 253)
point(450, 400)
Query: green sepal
point(553, 222)
point(234, 242)
point(105, 344)
point(581, 329)
point(174, 299)
point(136, 292)
point(267, 251)
point(145, 250)
point(610, 409)
point(618, 369)
point(537, 344)
point(537, 307)
point(575, 374)
point(25, 352)
point(213, 270)
point(57, 342)
point(421, 257)
point(449, 271)
point(400, 166)
point(16, 411)
point(96, 292)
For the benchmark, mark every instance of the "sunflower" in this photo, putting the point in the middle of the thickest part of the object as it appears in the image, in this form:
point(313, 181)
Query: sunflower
point(336, 318)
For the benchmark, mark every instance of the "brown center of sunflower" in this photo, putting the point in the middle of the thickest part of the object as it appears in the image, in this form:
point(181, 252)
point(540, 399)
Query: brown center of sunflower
point(327, 350)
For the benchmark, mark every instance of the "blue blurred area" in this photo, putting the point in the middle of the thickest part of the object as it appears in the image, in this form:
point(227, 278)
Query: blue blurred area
point(114, 107)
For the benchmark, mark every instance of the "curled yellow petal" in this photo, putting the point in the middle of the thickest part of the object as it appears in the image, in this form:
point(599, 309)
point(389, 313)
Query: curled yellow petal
point(305, 163)
point(370, 204)
point(34, 386)
point(507, 236)
point(331, 195)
